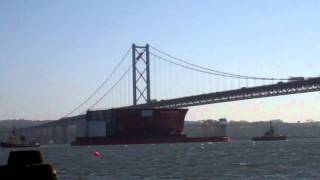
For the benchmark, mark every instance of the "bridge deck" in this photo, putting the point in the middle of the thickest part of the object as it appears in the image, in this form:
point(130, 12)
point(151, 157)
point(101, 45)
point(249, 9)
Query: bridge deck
point(281, 88)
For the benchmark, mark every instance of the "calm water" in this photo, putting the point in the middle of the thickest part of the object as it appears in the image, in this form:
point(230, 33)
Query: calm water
point(291, 159)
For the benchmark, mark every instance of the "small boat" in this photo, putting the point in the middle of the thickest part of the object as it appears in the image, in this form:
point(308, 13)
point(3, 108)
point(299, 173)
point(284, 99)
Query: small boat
point(270, 135)
point(15, 141)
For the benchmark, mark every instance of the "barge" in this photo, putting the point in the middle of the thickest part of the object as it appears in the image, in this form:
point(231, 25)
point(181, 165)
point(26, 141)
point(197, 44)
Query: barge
point(136, 126)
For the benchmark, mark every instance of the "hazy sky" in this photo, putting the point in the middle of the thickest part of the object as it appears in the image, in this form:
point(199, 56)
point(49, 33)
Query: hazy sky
point(53, 54)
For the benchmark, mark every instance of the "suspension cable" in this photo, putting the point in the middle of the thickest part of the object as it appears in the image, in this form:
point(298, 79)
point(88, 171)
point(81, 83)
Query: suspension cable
point(188, 67)
point(112, 87)
point(225, 74)
point(101, 85)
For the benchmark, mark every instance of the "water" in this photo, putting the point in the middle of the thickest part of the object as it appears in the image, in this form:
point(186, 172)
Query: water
point(291, 159)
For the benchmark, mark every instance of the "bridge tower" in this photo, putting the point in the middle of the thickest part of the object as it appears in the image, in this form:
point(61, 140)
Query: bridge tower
point(141, 74)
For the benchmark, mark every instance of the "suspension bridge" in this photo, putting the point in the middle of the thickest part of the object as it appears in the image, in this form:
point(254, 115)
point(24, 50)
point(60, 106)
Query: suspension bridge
point(147, 77)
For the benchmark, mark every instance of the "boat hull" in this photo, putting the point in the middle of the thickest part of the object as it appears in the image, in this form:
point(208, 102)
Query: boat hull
point(11, 145)
point(147, 140)
point(271, 138)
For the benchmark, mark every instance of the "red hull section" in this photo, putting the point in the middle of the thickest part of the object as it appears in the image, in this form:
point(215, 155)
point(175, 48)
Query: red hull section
point(147, 140)
point(138, 126)
point(148, 122)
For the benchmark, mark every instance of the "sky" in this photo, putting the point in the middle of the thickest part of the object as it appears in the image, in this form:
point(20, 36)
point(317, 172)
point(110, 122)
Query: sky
point(53, 54)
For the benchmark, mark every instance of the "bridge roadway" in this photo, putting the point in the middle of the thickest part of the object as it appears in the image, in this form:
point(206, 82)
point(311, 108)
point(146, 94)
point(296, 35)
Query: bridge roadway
point(58, 130)
point(281, 88)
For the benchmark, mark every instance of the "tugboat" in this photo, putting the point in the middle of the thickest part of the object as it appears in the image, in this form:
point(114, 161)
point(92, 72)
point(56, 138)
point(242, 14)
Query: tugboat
point(270, 135)
point(15, 141)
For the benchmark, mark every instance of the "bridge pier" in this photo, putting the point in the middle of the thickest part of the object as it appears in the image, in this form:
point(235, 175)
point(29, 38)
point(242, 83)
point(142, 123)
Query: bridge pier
point(54, 134)
point(65, 134)
point(40, 135)
point(45, 136)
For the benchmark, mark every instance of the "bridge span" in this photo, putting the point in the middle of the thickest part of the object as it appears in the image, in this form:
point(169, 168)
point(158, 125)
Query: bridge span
point(63, 130)
point(57, 132)
point(279, 89)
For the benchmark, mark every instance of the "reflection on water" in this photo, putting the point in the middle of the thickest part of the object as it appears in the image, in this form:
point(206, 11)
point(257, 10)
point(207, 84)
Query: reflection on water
point(291, 159)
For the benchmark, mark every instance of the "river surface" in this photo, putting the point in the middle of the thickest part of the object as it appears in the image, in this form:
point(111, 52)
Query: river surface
point(243, 159)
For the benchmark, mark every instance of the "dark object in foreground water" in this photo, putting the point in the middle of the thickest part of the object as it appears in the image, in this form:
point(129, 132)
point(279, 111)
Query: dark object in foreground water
point(18, 141)
point(27, 165)
point(270, 135)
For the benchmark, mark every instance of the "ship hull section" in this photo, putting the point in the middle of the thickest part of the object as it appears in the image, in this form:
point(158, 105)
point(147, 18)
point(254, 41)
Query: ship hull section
point(12, 145)
point(138, 126)
point(148, 122)
point(148, 140)
point(265, 138)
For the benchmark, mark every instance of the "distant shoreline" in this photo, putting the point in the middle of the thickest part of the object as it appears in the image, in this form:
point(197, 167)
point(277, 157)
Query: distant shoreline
point(237, 130)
